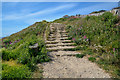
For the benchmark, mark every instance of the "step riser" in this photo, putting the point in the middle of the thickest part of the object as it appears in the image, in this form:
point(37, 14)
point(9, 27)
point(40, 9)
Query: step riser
point(51, 39)
point(64, 39)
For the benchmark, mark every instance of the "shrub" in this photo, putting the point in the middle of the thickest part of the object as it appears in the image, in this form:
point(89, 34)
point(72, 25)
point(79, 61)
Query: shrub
point(5, 54)
point(80, 55)
point(117, 72)
point(33, 56)
point(68, 27)
point(32, 64)
point(6, 41)
point(92, 59)
point(106, 16)
point(24, 58)
point(8, 54)
point(15, 71)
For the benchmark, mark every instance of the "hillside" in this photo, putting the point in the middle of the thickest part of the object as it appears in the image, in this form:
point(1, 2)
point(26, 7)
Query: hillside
point(93, 38)
point(20, 48)
point(97, 36)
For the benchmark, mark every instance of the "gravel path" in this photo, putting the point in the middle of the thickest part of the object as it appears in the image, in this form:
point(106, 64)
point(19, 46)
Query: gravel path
point(72, 67)
point(64, 64)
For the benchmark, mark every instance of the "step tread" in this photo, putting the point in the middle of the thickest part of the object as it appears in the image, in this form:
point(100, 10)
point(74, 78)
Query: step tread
point(60, 44)
point(60, 48)
point(65, 53)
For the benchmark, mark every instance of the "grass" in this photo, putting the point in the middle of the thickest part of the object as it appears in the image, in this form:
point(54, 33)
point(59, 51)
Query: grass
point(88, 52)
point(11, 63)
point(93, 59)
point(97, 31)
point(80, 55)
point(112, 69)
point(11, 69)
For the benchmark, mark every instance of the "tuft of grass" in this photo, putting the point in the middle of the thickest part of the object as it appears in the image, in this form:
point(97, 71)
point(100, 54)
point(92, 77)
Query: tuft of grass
point(88, 52)
point(41, 71)
point(93, 59)
point(11, 63)
point(80, 55)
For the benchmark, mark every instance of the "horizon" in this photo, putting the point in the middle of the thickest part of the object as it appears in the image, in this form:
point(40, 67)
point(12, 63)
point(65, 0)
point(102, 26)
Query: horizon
point(23, 14)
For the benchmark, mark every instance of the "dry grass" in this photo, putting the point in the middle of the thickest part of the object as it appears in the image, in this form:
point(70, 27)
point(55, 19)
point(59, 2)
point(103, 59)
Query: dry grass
point(11, 63)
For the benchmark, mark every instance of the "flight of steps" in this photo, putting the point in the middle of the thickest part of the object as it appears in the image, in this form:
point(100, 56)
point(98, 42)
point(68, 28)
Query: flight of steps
point(58, 38)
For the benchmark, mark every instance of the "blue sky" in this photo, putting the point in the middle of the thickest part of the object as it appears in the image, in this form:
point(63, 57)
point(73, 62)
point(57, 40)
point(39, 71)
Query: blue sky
point(19, 15)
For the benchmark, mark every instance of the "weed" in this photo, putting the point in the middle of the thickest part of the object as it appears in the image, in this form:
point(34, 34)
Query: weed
point(92, 59)
point(80, 55)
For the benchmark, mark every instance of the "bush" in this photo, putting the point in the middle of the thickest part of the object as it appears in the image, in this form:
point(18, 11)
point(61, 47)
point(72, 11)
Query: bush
point(7, 41)
point(5, 54)
point(24, 58)
point(117, 72)
point(8, 54)
point(15, 71)
point(92, 59)
point(32, 64)
point(33, 56)
point(80, 55)
point(106, 16)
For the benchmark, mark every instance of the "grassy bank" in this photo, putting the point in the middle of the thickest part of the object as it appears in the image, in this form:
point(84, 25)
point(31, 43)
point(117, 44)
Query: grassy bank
point(16, 49)
point(97, 36)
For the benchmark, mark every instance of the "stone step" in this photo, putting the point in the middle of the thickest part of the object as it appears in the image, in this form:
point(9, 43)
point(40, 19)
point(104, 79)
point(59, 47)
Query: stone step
point(55, 45)
point(60, 48)
point(66, 38)
point(51, 37)
point(62, 31)
point(64, 35)
point(51, 42)
point(64, 53)
point(66, 41)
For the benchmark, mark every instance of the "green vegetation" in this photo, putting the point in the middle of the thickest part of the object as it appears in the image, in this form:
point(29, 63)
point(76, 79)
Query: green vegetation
point(92, 59)
point(97, 36)
point(80, 55)
point(98, 11)
point(18, 47)
point(15, 71)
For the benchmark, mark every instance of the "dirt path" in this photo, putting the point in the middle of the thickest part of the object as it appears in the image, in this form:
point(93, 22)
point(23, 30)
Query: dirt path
point(64, 64)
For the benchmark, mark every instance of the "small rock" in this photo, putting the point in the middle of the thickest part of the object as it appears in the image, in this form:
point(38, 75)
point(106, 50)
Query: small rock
point(65, 68)
point(80, 75)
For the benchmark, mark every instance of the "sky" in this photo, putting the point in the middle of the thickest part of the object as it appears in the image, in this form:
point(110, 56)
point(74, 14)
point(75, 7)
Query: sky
point(19, 15)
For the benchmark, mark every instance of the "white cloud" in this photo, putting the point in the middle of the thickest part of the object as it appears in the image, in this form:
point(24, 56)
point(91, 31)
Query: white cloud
point(46, 11)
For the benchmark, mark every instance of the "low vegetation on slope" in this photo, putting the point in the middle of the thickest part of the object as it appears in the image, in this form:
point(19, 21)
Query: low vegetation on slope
point(17, 48)
point(98, 37)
